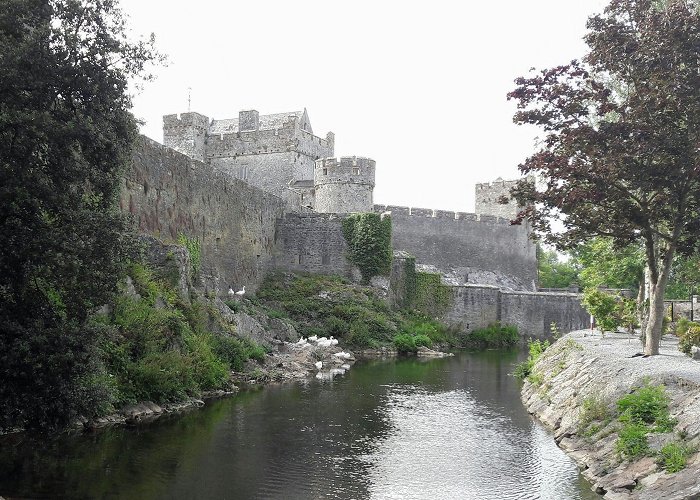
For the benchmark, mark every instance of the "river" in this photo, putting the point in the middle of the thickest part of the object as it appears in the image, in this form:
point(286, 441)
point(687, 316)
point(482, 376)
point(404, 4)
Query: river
point(450, 428)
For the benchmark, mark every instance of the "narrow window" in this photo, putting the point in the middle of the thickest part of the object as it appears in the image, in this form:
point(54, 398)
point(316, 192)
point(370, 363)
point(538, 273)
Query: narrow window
point(356, 171)
point(325, 171)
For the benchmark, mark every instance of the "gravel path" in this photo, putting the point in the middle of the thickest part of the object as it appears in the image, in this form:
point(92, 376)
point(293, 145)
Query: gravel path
point(619, 349)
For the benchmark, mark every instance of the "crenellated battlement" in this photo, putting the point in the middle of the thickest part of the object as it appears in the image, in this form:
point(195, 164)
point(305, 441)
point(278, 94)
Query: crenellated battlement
point(397, 211)
point(347, 169)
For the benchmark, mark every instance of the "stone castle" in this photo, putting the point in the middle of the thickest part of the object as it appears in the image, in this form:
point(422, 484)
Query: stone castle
point(263, 192)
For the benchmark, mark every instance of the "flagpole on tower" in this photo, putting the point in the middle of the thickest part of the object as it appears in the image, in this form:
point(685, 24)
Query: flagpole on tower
point(189, 98)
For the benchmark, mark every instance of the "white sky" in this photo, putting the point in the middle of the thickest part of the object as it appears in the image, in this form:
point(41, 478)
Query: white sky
point(420, 87)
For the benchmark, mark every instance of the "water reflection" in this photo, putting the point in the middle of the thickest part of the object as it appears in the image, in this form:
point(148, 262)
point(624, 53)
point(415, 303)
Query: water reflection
point(447, 428)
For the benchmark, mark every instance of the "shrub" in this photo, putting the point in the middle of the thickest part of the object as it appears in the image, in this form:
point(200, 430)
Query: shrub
point(688, 335)
point(646, 405)
point(632, 441)
point(673, 457)
point(493, 336)
point(235, 351)
point(604, 307)
point(234, 305)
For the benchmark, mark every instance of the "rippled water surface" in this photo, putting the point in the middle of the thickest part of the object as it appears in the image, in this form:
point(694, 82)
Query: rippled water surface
point(442, 429)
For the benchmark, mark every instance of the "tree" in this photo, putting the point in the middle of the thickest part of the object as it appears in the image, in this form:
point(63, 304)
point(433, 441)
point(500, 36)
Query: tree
point(620, 154)
point(554, 273)
point(65, 139)
point(604, 265)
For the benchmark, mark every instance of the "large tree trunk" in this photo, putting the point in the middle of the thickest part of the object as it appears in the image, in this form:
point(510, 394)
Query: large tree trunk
point(652, 335)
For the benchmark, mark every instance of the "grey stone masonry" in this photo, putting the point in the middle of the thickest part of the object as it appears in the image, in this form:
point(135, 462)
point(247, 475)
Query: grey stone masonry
point(490, 194)
point(344, 185)
point(272, 152)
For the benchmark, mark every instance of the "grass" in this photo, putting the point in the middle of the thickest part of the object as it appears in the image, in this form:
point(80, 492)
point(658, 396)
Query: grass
point(595, 414)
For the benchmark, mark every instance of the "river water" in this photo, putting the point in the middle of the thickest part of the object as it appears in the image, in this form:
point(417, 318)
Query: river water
point(449, 428)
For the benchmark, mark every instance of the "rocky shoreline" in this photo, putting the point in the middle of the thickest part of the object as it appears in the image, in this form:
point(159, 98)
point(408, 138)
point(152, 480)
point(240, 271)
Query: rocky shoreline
point(584, 366)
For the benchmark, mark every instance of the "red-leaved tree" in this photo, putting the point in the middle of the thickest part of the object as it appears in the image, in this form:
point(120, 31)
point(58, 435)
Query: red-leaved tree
point(619, 157)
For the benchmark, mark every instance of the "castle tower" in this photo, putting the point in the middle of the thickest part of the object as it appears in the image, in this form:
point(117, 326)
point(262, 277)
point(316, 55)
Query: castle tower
point(186, 133)
point(345, 185)
point(490, 194)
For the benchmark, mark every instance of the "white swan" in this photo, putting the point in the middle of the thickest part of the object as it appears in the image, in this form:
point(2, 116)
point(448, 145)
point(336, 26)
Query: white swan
point(318, 365)
point(241, 293)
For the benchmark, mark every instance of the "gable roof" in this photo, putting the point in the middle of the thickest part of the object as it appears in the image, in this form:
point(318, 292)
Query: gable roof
point(267, 122)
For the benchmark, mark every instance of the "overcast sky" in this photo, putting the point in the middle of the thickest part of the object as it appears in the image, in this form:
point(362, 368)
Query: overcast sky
point(420, 87)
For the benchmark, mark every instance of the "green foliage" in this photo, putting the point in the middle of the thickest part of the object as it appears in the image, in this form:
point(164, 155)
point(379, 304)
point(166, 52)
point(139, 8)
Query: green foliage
point(331, 306)
point(432, 296)
point(369, 239)
point(66, 136)
point(685, 277)
point(410, 283)
point(406, 343)
point(610, 311)
point(602, 264)
point(648, 405)
point(688, 333)
point(234, 305)
point(194, 248)
point(536, 348)
point(616, 159)
point(674, 457)
point(632, 441)
point(493, 336)
point(236, 352)
point(553, 272)
point(644, 410)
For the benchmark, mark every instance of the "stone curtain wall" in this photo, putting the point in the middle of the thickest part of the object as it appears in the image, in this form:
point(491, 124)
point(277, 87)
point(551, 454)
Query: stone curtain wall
point(464, 242)
point(313, 243)
point(270, 172)
point(532, 313)
point(169, 193)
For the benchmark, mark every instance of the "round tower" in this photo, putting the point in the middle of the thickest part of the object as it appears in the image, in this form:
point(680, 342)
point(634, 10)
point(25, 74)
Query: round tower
point(345, 185)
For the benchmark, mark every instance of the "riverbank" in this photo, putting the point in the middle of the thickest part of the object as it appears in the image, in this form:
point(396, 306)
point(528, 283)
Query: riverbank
point(583, 370)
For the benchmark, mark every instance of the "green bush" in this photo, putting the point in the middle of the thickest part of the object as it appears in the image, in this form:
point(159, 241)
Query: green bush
point(688, 333)
point(493, 336)
point(647, 405)
point(368, 236)
point(604, 308)
point(673, 457)
point(632, 441)
point(234, 305)
point(235, 351)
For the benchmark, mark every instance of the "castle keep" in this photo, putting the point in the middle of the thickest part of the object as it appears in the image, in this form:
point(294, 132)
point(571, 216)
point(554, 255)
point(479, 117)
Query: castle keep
point(263, 192)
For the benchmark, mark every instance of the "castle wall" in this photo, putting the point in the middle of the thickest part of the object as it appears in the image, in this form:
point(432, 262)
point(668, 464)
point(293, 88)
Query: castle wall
point(532, 313)
point(312, 243)
point(169, 193)
point(489, 194)
point(270, 172)
point(462, 243)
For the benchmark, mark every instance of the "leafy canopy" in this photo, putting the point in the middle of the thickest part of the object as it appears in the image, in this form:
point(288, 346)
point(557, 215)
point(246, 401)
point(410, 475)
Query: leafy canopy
point(65, 139)
point(622, 127)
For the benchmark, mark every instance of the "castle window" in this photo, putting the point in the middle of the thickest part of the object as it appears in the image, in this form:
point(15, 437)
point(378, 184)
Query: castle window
point(325, 171)
point(325, 259)
point(355, 170)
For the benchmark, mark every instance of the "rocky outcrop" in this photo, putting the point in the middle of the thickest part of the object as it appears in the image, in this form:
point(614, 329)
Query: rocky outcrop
point(585, 368)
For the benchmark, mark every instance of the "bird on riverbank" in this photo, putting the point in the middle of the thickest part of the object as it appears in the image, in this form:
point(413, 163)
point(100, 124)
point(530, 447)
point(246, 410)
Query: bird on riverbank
point(318, 365)
point(241, 293)
point(231, 293)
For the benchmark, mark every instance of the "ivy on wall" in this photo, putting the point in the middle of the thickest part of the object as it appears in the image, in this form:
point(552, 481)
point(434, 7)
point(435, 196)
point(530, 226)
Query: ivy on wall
point(431, 297)
point(369, 239)
point(195, 250)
